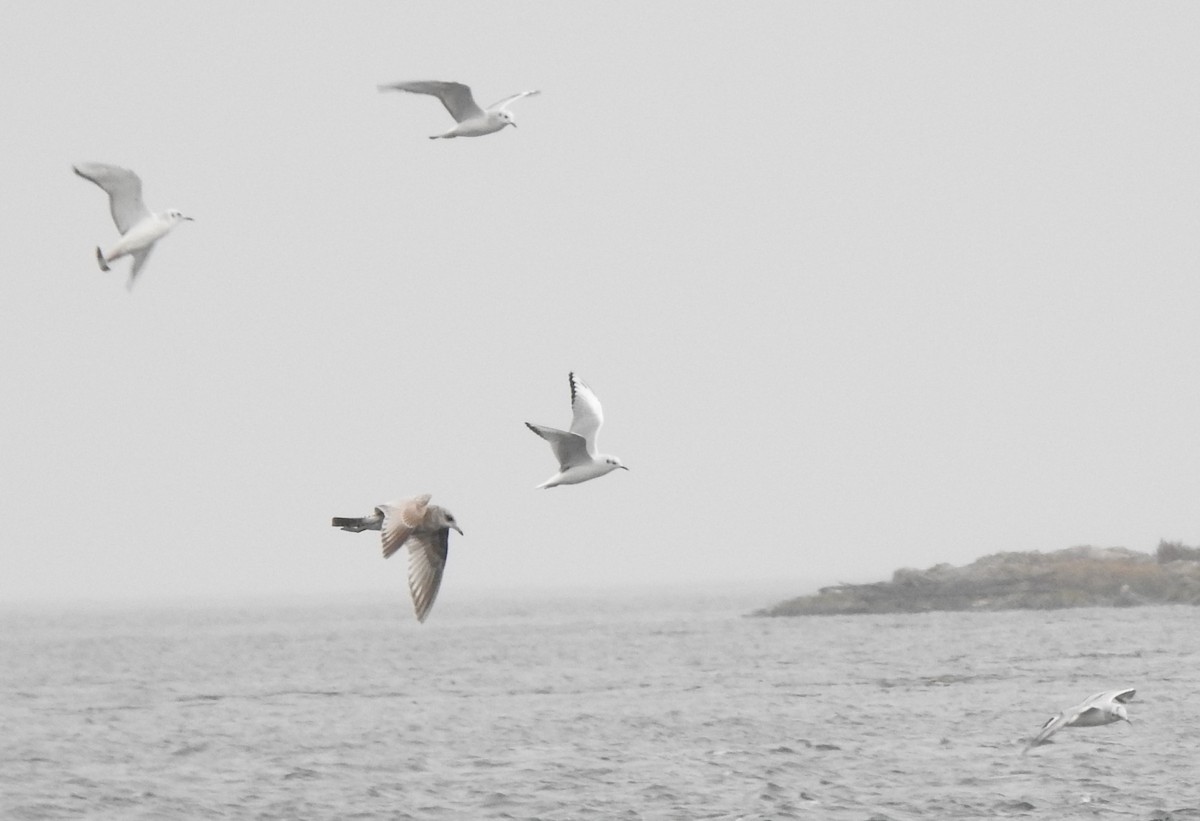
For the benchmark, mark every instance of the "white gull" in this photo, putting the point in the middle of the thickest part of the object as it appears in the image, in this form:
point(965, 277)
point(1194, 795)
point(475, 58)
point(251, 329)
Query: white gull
point(1102, 708)
point(470, 119)
point(139, 228)
point(575, 450)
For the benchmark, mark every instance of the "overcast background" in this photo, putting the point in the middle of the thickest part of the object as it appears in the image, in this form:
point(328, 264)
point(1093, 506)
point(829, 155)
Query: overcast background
point(860, 286)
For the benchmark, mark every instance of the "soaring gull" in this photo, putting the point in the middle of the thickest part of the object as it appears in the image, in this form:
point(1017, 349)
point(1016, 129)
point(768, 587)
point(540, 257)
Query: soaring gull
point(1102, 708)
point(575, 450)
point(470, 119)
point(139, 228)
point(425, 528)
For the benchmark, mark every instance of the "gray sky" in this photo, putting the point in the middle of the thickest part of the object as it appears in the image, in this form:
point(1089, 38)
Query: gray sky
point(860, 286)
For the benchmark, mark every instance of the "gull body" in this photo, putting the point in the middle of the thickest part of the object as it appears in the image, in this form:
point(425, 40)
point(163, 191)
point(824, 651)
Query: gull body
point(139, 228)
point(470, 120)
point(575, 449)
point(425, 529)
point(1102, 708)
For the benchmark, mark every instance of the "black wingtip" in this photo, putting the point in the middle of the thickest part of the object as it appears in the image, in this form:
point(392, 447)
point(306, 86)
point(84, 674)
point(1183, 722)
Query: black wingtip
point(571, 379)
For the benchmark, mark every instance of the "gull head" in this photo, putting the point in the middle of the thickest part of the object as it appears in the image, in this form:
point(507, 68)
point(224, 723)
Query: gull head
point(612, 462)
point(175, 215)
point(443, 519)
point(1121, 713)
point(505, 116)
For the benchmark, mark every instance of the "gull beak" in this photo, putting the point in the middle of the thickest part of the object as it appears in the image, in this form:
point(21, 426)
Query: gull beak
point(459, 529)
point(190, 219)
point(622, 467)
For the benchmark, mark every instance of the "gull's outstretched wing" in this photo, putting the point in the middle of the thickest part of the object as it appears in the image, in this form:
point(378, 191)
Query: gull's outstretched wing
point(509, 100)
point(400, 519)
point(570, 449)
point(427, 553)
point(1119, 696)
point(586, 415)
point(1052, 726)
point(124, 191)
point(456, 97)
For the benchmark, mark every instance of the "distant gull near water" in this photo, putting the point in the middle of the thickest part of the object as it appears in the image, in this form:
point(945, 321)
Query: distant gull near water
point(1102, 708)
point(139, 228)
point(425, 528)
point(472, 121)
point(576, 449)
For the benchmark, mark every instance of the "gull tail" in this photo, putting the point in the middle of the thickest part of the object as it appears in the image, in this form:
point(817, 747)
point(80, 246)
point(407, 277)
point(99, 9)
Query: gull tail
point(353, 525)
point(101, 260)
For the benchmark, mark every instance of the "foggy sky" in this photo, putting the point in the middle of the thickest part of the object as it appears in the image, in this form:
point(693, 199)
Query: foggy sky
point(859, 285)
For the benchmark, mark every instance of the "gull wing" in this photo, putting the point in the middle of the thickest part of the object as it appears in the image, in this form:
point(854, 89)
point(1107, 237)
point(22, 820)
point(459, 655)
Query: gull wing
point(427, 552)
point(456, 97)
point(1119, 696)
point(139, 259)
point(400, 519)
point(124, 190)
point(586, 415)
point(509, 100)
point(570, 449)
point(1087, 717)
point(1052, 726)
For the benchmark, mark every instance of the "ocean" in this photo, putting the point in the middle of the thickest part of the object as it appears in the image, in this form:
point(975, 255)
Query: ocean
point(625, 705)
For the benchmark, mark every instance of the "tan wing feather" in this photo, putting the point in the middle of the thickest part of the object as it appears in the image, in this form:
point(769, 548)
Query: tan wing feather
point(400, 519)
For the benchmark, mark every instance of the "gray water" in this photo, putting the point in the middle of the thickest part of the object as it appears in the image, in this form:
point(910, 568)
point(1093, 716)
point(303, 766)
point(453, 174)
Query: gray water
point(620, 706)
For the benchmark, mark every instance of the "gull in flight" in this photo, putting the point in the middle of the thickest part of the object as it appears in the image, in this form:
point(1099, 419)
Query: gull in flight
point(1102, 708)
point(576, 449)
point(139, 228)
point(470, 119)
point(425, 528)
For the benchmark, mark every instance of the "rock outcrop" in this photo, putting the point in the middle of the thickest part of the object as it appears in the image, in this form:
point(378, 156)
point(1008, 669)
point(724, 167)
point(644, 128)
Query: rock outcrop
point(1075, 577)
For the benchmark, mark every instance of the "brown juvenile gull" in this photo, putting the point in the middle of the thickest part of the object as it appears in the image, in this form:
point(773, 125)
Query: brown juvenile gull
point(139, 228)
point(576, 449)
point(470, 119)
point(425, 528)
point(1102, 708)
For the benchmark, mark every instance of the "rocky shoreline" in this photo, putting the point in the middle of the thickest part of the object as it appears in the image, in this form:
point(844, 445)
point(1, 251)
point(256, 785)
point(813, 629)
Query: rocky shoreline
point(1075, 577)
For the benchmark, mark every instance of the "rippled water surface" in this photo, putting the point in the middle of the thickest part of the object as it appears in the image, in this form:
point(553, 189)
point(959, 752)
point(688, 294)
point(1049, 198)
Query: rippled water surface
point(623, 706)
